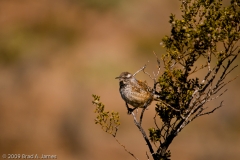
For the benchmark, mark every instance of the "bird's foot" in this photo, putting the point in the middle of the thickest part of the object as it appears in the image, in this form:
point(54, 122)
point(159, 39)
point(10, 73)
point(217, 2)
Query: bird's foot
point(130, 110)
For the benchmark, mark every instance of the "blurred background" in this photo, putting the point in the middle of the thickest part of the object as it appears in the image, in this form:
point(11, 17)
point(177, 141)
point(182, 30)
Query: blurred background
point(55, 54)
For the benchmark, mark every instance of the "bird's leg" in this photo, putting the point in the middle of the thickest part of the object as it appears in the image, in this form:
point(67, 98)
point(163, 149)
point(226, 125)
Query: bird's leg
point(130, 110)
point(136, 112)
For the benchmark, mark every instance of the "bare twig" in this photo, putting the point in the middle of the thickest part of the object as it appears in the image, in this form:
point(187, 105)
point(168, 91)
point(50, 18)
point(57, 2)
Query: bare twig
point(174, 63)
point(144, 135)
point(155, 121)
point(209, 60)
point(225, 73)
point(159, 66)
point(216, 96)
point(221, 104)
point(216, 91)
point(140, 70)
point(230, 70)
point(147, 155)
point(196, 70)
point(171, 106)
point(155, 75)
point(126, 149)
point(141, 117)
point(213, 77)
point(207, 75)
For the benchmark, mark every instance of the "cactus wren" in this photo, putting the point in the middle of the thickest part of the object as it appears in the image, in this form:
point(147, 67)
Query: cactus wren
point(135, 92)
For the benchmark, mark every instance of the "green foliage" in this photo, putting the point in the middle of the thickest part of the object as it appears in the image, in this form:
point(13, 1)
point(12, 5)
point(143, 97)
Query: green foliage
point(166, 114)
point(206, 32)
point(109, 121)
point(204, 26)
point(154, 134)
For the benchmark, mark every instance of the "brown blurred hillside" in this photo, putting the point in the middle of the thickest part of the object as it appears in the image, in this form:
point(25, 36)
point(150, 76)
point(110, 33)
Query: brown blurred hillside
point(55, 54)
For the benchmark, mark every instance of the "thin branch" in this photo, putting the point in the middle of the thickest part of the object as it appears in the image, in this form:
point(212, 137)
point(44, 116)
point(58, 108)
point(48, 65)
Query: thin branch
point(174, 123)
point(144, 67)
point(141, 117)
point(155, 121)
point(209, 60)
point(200, 109)
point(225, 84)
point(147, 73)
point(177, 110)
point(230, 71)
point(186, 120)
point(140, 70)
point(163, 129)
point(224, 44)
point(224, 74)
point(233, 50)
point(174, 63)
point(126, 149)
point(196, 70)
point(147, 155)
point(207, 75)
point(217, 96)
point(199, 112)
point(168, 130)
point(144, 135)
point(159, 66)
point(213, 77)
point(221, 104)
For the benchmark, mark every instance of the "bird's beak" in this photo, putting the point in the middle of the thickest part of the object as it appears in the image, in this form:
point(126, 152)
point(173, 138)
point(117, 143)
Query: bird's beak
point(117, 77)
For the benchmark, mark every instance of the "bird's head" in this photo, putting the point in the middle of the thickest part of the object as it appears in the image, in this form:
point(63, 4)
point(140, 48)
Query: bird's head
point(124, 76)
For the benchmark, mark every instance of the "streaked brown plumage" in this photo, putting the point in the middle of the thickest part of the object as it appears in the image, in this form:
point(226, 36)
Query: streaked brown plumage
point(134, 92)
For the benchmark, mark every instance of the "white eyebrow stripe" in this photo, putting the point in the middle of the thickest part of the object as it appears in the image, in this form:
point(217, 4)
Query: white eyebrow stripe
point(128, 75)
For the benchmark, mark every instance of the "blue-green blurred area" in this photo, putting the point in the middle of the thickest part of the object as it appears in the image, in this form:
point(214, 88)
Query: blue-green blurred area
point(55, 54)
